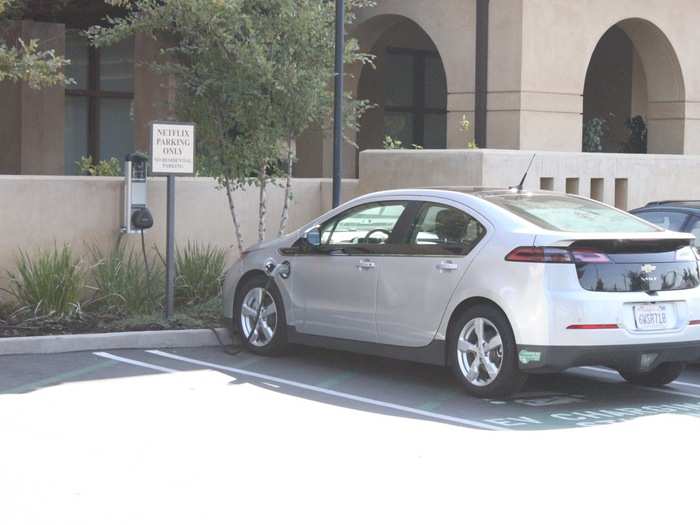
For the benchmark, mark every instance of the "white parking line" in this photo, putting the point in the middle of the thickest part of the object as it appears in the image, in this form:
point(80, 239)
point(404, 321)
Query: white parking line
point(142, 364)
point(334, 393)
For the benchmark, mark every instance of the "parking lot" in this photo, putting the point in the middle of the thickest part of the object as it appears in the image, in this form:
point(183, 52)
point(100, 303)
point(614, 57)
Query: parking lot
point(204, 436)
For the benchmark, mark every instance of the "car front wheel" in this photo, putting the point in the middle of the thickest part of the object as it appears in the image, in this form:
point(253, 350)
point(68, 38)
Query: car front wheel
point(482, 353)
point(260, 318)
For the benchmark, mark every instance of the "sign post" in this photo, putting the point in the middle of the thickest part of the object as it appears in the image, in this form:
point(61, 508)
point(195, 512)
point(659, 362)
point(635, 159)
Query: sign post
point(172, 154)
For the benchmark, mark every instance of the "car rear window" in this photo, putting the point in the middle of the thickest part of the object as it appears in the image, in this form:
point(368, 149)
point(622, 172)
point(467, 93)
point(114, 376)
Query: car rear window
point(570, 214)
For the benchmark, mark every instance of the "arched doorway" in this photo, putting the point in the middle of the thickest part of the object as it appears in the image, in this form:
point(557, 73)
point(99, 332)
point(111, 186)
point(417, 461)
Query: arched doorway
point(407, 87)
point(634, 96)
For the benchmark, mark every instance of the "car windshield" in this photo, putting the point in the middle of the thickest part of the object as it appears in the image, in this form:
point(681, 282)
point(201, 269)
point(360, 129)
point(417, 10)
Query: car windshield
point(569, 213)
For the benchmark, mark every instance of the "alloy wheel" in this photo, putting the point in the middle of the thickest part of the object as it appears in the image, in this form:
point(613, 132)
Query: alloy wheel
point(264, 331)
point(480, 351)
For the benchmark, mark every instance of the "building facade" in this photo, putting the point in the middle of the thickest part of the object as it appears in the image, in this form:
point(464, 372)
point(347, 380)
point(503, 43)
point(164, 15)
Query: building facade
point(527, 74)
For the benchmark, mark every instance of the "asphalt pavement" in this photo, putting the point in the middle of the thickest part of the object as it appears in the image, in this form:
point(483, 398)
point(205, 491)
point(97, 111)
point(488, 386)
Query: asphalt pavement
point(203, 436)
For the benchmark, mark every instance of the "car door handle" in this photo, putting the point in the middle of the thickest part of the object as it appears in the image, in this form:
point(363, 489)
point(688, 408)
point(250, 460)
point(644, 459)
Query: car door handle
point(365, 264)
point(447, 266)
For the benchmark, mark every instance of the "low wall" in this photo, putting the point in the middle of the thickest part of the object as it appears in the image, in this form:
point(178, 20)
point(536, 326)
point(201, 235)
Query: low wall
point(40, 211)
point(626, 181)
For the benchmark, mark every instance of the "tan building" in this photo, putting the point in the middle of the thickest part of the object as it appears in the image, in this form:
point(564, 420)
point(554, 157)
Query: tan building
point(528, 74)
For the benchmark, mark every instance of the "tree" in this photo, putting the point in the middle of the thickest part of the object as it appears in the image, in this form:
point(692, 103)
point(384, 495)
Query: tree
point(26, 61)
point(252, 74)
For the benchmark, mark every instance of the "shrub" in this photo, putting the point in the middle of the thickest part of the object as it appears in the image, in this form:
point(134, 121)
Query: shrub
point(49, 283)
point(199, 272)
point(594, 131)
point(123, 284)
point(103, 168)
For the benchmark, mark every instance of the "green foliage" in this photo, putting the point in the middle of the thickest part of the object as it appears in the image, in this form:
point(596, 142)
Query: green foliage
point(123, 284)
point(392, 143)
point(465, 126)
point(49, 283)
point(250, 73)
point(27, 61)
point(593, 132)
point(199, 270)
point(104, 168)
point(637, 140)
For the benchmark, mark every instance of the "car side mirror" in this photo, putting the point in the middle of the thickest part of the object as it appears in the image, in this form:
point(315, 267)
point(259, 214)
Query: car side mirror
point(313, 236)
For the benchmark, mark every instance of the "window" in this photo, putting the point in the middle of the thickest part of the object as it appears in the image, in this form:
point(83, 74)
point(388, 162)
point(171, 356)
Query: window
point(669, 220)
point(367, 224)
point(569, 214)
point(415, 98)
point(440, 229)
point(98, 111)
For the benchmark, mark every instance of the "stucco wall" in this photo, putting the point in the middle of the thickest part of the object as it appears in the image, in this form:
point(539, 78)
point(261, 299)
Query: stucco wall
point(40, 211)
point(627, 181)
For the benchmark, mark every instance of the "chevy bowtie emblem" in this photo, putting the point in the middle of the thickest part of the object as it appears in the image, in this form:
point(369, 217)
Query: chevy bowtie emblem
point(648, 268)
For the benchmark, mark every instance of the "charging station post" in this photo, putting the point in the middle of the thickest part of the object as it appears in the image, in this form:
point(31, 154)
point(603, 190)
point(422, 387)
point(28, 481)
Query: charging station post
point(172, 154)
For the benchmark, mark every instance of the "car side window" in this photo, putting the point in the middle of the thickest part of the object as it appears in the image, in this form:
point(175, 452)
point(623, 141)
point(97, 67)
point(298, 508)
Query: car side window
point(670, 220)
point(440, 229)
point(369, 224)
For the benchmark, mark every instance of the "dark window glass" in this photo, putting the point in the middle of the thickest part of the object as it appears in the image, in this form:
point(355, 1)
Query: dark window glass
point(98, 107)
point(441, 229)
point(415, 98)
point(695, 230)
point(669, 220)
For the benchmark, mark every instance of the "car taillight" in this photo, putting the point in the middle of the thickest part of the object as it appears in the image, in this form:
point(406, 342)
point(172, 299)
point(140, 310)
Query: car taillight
point(536, 254)
point(589, 256)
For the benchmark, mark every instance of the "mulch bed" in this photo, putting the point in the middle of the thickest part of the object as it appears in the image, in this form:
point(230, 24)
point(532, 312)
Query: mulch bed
point(94, 324)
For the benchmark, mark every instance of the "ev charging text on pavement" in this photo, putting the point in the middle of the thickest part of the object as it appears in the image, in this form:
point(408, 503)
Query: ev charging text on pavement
point(598, 417)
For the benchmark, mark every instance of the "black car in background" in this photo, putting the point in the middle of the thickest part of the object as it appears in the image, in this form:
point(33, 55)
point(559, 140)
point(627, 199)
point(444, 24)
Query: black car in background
point(680, 216)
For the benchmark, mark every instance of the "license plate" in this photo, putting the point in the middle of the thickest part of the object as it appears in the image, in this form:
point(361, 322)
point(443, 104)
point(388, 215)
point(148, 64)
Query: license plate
point(654, 317)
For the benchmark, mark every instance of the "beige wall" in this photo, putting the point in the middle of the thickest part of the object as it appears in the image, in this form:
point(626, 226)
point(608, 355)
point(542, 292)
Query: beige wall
point(43, 211)
point(648, 177)
point(154, 95)
point(31, 120)
point(451, 25)
point(559, 37)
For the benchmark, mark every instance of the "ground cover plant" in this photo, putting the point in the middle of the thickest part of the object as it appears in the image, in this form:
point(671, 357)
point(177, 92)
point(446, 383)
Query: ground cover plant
point(56, 292)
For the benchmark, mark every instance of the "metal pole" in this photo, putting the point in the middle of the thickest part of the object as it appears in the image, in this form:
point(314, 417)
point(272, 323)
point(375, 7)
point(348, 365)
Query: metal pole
point(170, 250)
point(338, 99)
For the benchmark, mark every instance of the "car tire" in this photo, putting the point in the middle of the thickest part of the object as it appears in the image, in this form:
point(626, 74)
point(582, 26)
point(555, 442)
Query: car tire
point(269, 338)
point(485, 368)
point(662, 375)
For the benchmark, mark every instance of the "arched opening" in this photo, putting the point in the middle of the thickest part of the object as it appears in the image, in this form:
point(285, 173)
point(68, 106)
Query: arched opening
point(634, 97)
point(407, 87)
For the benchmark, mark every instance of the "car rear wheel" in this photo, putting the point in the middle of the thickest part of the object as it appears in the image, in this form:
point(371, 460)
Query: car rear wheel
point(482, 353)
point(662, 375)
point(264, 334)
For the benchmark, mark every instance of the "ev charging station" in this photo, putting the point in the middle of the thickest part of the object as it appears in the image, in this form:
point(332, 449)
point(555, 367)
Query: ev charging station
point(136, 216)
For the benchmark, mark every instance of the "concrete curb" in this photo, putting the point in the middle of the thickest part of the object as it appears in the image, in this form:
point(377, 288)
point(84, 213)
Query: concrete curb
point(57, 344)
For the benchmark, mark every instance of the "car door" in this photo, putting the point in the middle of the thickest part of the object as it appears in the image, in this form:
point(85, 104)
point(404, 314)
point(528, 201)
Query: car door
point(336, 283)
point(414, 288)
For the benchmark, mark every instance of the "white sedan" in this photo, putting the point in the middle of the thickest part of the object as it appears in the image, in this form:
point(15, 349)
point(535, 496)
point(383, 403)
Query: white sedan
point(494, 283)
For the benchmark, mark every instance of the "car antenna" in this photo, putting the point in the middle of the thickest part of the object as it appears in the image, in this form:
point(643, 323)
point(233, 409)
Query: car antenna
point(519, 187)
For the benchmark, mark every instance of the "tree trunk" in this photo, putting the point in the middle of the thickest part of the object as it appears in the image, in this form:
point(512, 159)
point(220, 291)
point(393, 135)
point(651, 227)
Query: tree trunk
point(234, 217)
point(262, 218)
point(287, 187)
